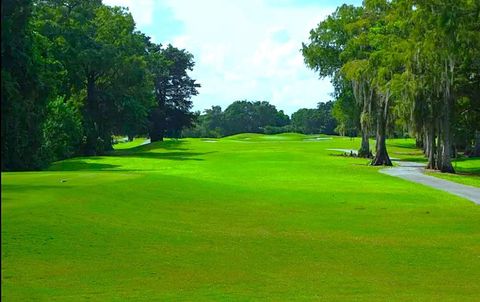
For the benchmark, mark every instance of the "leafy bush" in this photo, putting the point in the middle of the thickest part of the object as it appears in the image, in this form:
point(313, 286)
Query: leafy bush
point(62, 129)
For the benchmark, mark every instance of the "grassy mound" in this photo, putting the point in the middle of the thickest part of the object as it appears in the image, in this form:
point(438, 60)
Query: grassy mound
point(264, 137)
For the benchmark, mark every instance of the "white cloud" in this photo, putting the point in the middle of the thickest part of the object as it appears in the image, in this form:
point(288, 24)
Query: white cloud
point(142, 10)
point(245, 49)
point(181, 41)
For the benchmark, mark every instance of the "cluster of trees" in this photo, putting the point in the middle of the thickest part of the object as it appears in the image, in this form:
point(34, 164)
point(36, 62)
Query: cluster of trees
point(75, 73)
point(318, 120)
point(238, 117)
point(405, 63)
point(262, 117)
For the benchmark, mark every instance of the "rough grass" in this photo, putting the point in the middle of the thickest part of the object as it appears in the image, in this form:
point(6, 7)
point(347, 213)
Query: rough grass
point(237, 220)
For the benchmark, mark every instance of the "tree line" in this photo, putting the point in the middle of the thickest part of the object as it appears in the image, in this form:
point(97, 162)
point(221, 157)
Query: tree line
point(405, 64)
point(263, 117)
point(75, 73)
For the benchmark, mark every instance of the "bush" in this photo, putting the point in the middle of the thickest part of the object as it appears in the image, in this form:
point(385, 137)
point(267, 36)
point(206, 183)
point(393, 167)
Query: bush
point(62, 130)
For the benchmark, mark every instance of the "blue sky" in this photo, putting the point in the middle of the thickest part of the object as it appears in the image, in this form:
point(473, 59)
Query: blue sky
point(244, 49)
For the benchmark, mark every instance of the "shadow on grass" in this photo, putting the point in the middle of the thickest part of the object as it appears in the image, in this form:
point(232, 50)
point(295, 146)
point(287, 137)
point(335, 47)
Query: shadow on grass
point(86, 164)
point(81, 165)
point(166, 145)
point(465, 172)
point(145, 151)
point(470, 171)
point(16, 188)
point(165, 155)
point(474, 170)
point(415, 159)
point(406, 145)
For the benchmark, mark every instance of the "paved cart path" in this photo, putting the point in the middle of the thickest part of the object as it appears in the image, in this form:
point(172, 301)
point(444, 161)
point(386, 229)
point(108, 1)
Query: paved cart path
point(415, 172)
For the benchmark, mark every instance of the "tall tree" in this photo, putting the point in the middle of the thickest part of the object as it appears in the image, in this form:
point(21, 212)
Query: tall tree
point(173, 90)
point(318, 120)
point(345, 109)
point(446, 35)
point(24, 91)
point(104, 61)
point(247, 116)
point(338, 40)
point(214, 121)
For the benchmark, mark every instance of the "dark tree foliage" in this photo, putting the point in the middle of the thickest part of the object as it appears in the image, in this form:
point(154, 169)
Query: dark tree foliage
point(24, 93)
point(345, 109)
point(105, 59)
point(245, 116)
point(311, 121)
point(306, 121)
point(262, 117)
point(413, 66)
point(173, 91)
point(239, 117)
point(328, 122)
point(75, 73)
point(209, 124)
point(62, 130)
point(213, 121)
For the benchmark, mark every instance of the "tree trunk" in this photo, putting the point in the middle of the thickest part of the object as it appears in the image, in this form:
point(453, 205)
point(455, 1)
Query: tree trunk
point(90, 117)
point(157, 125)
point(476, 148)
point(445, 164)
point(381, 155)
point(155, 137)
point(431, 146)
point(427, 144)
point(438, 145)
point(365, 145)
point(419, 140)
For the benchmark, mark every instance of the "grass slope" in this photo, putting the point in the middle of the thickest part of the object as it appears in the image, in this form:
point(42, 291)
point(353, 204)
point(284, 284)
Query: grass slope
point(266, 218)
point(127, 145)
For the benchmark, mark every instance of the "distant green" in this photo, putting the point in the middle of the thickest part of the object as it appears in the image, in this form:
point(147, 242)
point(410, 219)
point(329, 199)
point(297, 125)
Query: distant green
point(244, 218)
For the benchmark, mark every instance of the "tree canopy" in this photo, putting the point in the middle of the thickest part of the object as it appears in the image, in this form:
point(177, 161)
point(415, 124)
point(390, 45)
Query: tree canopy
point(263, 117)
point(407, 64)
point(76, 73)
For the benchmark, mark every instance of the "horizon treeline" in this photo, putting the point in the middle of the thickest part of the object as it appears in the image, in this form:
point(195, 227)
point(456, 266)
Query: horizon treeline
point(75, 73)
point(263, 117)
point(405, 63)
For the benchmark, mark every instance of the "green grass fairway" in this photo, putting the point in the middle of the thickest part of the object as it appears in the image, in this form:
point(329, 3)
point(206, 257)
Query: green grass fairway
point(244, 218)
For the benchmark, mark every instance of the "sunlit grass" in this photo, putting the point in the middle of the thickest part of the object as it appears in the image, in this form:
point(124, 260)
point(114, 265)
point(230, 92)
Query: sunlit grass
point(243, 218)
point(127, 145)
